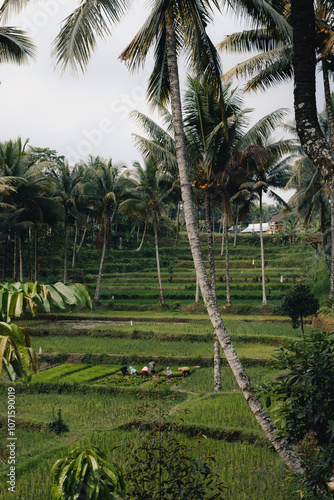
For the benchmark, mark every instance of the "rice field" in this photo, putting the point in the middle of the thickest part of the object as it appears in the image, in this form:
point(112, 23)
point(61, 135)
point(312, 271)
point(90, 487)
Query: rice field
point(129, 323)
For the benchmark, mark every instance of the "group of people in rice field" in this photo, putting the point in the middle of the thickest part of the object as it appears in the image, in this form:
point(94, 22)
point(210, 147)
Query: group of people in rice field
point(150, 370)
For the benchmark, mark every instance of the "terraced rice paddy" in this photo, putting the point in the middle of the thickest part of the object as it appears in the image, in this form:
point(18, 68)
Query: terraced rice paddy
point(82, 353)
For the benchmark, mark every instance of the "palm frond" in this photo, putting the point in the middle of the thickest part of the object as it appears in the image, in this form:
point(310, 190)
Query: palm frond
point(135, 53)
point(262, 13)
point(262, 129)
point(15, 46)
point(76, 40)
point(252, 40)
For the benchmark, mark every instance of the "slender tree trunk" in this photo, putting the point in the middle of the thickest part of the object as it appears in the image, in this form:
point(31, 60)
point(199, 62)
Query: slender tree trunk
point(155, 224)
point(143, 237)
point(236, 228)
point(262, 416)
point(197, 280)
point(15, 259)
point(21, 257)
point(331, 293)
point(177, 224)
point(216, 354)
point(29, 254)
point(36, 253)
point(99, 277)
point(227, 267)
point(223, 236)
point(138, 231)
point(4, 269)
point(264, 297)
point(83, 236)
point(75, 244)
point(210, 245)
point(65, 253)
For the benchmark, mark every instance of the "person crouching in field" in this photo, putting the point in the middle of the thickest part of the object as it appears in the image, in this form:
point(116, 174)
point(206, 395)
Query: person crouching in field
point(185, 371)
point(169, 373)
point(152, 367)
point(144, 372)
point(124, 371)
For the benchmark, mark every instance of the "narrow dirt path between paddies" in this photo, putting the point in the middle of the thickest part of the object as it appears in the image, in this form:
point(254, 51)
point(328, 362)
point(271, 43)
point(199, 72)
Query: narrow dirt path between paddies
point(92, 322)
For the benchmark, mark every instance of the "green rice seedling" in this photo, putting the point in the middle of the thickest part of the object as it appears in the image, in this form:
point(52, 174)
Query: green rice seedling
point(147, 348)
point(91, 374)
point(202, 380)
point(58, 372)
point(219, 410)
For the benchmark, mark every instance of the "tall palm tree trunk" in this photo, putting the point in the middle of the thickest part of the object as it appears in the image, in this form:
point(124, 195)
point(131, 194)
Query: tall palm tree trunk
point(143, 237)
point(21, 256)
point(99, 277)
point(155, 225)
point(262, 416)
point(36, 253)
point(227, 267)
point(236, 228)
point(83, 236)
point(223, 236)
point(75, 244)
point(4, 269)
point(177, 224)
point(65, 253)
point(216, 354)
point(264, 297)
point(15, 258)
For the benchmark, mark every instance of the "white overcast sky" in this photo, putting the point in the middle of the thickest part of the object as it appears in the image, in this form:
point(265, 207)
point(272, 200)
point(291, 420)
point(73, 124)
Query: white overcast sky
point(89, 114)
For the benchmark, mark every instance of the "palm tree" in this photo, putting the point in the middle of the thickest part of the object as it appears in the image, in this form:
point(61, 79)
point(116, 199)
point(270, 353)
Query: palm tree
point(32, 196)
point(105, 186)
point(68, 190)
point(161, 26)
point(275, 173)
point(148, 199)
point(171, 26)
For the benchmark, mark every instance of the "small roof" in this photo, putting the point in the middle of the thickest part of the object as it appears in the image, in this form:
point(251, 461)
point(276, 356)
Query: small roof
point(275, 218)
point(255, 228)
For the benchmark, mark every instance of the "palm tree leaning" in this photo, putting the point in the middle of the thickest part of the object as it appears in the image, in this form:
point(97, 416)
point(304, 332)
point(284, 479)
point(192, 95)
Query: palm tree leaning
point(161, 27)
point(75, 44)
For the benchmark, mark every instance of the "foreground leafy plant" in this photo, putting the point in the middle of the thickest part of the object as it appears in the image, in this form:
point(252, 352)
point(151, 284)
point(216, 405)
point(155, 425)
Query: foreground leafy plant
point(86, 473)
point(304, 398)
point(161, 468)
point(17, 357)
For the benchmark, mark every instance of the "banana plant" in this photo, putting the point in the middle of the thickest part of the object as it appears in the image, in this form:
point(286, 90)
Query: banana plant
point(17, 299)
point(86, 473)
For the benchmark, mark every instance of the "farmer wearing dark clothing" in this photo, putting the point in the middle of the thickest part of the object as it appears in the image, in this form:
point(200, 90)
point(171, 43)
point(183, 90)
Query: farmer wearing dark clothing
point(124, 370)
point(152, 367)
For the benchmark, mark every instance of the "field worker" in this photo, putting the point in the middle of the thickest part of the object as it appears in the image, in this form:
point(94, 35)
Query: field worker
point(152, 367)
point(184, 370)
point(169, 373)
point(144, 372)
point(124, 370)
point(133, 371)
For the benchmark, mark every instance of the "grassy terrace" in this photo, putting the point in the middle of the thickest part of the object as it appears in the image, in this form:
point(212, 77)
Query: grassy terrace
point(82, 353)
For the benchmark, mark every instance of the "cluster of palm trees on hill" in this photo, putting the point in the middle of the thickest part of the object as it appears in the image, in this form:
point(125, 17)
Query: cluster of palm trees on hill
point(180, 25)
